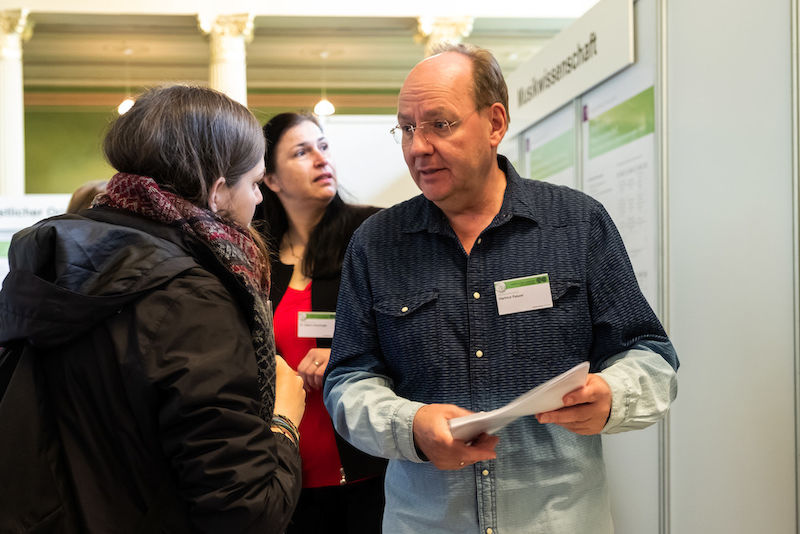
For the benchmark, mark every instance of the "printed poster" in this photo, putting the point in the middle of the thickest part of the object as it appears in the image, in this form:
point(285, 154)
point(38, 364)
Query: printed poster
point(620, 170)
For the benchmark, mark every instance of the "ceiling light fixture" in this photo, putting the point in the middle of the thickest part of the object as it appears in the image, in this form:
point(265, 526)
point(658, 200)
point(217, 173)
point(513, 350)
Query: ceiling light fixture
point(128, 102)
point(324, 107)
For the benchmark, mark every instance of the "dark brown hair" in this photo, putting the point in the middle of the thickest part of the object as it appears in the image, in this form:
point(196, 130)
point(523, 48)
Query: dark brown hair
point(488, 84)
point(185, 137)
point(329, 238)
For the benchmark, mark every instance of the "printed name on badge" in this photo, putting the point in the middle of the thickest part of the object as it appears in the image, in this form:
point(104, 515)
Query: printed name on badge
point(523, 294)
point(316, 324)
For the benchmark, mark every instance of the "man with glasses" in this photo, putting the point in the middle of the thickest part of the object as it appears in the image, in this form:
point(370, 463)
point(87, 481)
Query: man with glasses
point(426, 330)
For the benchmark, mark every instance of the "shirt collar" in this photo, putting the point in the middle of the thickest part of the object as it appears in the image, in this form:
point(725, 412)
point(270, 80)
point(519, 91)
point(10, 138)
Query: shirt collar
point(428, 217)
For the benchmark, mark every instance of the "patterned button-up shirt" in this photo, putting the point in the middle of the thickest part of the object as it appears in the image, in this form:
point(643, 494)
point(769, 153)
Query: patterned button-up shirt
point(417, 322)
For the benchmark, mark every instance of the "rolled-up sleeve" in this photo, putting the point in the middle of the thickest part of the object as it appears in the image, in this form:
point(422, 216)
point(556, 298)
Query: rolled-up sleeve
point(643, 385)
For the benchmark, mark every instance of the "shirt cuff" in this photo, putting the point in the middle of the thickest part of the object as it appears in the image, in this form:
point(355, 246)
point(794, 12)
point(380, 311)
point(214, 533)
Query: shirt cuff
point(620, 398)
point(403, 430)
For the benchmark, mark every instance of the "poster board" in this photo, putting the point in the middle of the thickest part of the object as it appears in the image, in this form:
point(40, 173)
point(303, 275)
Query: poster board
point(612, 143)
point(619, 167)
point(550, 149)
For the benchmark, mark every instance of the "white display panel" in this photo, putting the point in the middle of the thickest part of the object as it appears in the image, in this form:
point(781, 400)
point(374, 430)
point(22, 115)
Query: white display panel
point(619, 166)
point(369, 164)
point(549, 148)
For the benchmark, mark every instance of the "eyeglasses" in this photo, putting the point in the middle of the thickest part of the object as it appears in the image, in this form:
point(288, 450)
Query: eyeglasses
point(404, 133)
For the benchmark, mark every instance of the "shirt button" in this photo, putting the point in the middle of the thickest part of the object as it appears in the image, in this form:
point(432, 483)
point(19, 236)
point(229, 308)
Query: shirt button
point(476, 295)
point(479, 353)
point(404, 309)
point(485, 472)
point(479, 240)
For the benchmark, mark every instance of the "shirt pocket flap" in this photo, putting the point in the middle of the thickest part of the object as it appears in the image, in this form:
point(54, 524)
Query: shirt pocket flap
point(399, 306)
point(559, 288)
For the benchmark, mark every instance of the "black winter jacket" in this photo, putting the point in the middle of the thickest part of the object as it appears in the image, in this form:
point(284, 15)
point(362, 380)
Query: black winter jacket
point(156, 399)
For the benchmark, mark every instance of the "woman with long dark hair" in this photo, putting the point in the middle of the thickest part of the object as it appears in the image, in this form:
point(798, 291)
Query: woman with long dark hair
point(308, 227)
point(153, 333)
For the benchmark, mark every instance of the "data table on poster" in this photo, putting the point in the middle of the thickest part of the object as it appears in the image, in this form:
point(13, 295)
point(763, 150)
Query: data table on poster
point(619, 168)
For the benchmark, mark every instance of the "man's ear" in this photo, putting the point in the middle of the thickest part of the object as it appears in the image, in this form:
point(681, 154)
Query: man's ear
point(271, 182)
point(499, 120)
point(215, 195)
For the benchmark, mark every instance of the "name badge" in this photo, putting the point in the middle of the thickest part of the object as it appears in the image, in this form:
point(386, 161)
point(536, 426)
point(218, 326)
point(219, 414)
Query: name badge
point(523, 294)
point(315, 324)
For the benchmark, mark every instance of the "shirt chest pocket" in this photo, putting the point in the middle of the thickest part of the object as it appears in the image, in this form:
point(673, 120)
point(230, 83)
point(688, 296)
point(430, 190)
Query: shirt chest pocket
point(408, 324)
point(555, 334)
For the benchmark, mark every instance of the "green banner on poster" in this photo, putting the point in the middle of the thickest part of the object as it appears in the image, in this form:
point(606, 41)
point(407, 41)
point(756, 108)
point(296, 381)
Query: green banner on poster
point(622, 124)
point(553, 156)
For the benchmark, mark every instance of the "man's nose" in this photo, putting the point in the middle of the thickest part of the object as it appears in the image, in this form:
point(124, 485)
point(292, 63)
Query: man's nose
point(419, 143)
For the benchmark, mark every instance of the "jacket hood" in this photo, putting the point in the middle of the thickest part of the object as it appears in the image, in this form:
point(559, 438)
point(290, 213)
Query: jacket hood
point(70, 272)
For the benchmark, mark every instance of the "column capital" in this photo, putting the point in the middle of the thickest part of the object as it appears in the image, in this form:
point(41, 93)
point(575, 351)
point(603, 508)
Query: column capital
point(15, 22)
point(235, 25)
point(434, 30)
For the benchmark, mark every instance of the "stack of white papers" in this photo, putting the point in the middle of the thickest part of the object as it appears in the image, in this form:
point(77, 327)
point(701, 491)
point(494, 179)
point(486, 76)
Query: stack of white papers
point(543, 398)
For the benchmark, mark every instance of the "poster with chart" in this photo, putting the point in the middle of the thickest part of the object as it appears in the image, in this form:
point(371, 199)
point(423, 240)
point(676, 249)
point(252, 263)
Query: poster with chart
point(549, 148)
point(619, 167)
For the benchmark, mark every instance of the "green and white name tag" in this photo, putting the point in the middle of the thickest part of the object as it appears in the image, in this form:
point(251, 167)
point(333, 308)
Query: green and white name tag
point(315, 324)
point(523, 294)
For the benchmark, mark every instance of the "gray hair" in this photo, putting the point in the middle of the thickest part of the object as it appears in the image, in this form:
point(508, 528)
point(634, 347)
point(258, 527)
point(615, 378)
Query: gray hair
point(488, 84)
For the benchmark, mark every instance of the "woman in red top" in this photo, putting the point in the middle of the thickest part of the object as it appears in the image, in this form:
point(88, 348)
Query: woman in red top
point(308, 227)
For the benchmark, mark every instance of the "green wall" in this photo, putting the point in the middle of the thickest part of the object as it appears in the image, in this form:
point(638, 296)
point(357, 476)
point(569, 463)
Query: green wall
point(63, 144)
point(63, 148)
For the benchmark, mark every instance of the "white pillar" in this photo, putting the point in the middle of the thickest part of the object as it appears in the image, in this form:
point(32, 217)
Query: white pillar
point(13, 31)
point(228, 34)
point(435, 30)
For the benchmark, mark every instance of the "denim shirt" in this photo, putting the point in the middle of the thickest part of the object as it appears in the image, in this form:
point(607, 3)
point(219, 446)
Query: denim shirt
point(417, 322)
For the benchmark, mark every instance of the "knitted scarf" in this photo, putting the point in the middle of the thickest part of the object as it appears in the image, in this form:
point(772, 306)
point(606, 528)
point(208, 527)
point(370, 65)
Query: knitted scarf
point(232, 245)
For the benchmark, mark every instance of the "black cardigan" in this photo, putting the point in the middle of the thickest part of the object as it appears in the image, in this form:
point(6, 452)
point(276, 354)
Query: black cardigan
point(324, 293)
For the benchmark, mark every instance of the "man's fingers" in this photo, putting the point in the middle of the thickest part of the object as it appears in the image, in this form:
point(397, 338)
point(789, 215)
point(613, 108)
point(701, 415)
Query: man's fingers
point(573, 414)
point(582, 395)
point(480, 449)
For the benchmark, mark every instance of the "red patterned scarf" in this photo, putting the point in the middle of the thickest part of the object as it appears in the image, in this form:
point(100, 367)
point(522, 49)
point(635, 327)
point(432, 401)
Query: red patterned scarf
point(232, 245)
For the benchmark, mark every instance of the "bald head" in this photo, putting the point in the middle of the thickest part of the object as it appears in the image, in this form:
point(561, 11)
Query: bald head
point(447, 76)
point(487, 83)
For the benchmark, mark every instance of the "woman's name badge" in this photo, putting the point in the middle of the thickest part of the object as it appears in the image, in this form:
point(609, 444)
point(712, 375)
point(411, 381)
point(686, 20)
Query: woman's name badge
point(315, 324)
point(523, 294)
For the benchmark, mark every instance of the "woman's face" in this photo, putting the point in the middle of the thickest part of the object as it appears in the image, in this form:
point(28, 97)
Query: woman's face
point(240, 200)
point(304, 169)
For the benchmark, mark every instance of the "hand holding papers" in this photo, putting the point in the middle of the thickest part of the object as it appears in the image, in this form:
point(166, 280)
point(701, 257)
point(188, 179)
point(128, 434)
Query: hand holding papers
point(543, 398)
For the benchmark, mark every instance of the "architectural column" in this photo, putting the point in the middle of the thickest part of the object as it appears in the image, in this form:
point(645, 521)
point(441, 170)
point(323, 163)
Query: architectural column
point(13, 31)
point(229, 34)
point(435, 30)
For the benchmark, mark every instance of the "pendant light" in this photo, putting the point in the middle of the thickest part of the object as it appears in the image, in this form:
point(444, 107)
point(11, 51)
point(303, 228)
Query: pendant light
point(128, 102)
point(324, 107)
